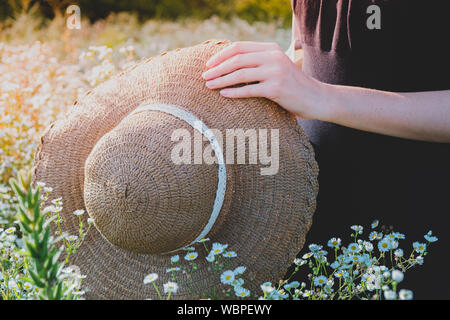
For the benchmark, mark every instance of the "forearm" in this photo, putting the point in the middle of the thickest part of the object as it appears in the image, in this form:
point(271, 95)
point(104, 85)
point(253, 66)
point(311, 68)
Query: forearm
point(268, 72)
point(417, 115)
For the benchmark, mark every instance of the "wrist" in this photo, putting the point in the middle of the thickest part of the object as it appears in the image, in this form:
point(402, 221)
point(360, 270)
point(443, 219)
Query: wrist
point(321, 101)
point(327, 101)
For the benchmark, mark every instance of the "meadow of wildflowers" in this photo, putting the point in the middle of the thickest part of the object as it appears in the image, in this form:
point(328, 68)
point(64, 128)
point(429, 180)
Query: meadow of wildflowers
point(44, 68)
point(370, 267)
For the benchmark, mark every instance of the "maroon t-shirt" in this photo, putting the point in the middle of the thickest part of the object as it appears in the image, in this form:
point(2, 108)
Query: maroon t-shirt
point(366, 176)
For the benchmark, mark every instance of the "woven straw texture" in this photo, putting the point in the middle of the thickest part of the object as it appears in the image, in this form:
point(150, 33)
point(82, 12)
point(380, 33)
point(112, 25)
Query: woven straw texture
point(118, 168)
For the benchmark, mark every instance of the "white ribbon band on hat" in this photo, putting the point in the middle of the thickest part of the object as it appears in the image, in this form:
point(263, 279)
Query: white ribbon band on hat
point(198, 125)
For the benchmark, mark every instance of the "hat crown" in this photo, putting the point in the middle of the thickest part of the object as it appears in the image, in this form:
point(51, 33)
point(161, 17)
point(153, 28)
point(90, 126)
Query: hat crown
point(138, 197)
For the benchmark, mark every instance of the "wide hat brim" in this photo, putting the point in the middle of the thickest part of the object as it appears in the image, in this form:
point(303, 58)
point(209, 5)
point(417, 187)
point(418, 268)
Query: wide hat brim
point(267, 218)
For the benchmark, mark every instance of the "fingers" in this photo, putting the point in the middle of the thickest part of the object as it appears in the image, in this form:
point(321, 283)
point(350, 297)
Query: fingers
point(237, 77)
point(237, 48)
point(239, 61)
point(248, 91)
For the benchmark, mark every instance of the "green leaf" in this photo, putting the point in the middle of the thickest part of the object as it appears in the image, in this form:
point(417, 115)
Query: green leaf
point(40, 268)
point(31, 249)
point(29, 199)
point(24, 217)
point(45, 239)
point(57, 254)
point(17, 190)
point(48, 221)
point(36, 199)
point(58, 294)
point(36, 213)
point(37, 281)
point(25, 227)
point(53, 271)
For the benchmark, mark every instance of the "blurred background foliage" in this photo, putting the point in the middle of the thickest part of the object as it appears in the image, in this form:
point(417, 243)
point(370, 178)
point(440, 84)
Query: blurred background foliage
point(250, 10)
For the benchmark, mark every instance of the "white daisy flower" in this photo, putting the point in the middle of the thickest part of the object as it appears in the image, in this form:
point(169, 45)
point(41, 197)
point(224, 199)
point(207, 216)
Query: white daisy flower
point(368, 246)
point(71, 238)
point(230, 254)
point(78, 212)
point(10, 230)
point(397, 276)
point(405, 294)
point(398, 253)
point(150, 278)
point(267, 287)
point(48, 209)
point(171, 287)
point(299, 262)
point(227, 277)
point(12, 285)
point(218, 248)
point(307, 255)
point(27, 286)
point(390, 295)
point(359, 229)
point(239, 270)
point(79, 293)
point(191, 256)
point(57, 201)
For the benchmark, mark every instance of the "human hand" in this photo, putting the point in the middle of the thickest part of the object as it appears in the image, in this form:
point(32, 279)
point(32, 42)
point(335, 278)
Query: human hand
point(266, 71)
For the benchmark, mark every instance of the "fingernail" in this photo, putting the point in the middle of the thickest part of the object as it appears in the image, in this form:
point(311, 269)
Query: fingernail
point(204, 74)
point(208, 84)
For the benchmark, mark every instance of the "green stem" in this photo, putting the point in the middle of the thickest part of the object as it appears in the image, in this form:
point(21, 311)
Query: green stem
point(157, 291)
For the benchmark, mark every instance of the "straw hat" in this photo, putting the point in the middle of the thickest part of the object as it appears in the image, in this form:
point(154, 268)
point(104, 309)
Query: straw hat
point(111, 156)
